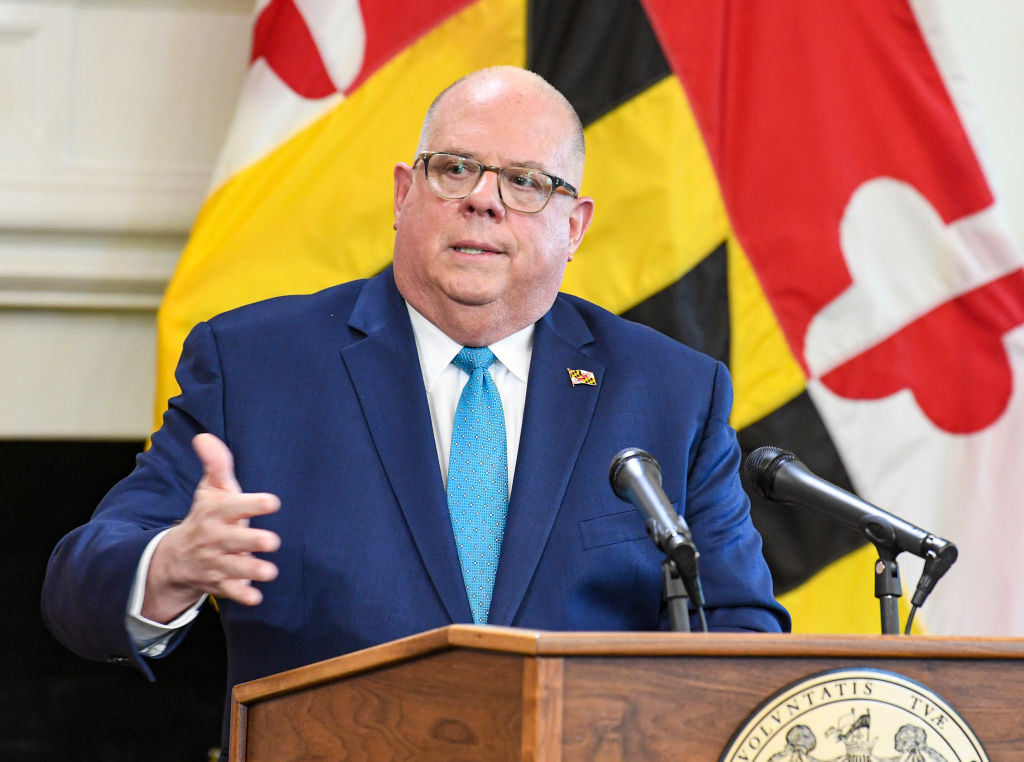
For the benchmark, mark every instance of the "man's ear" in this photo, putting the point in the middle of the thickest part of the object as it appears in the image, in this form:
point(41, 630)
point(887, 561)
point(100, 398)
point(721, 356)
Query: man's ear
point(403, 182)
point(579, 220)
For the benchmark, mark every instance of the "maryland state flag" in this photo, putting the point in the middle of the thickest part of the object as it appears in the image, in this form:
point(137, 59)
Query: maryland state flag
point(790, 187)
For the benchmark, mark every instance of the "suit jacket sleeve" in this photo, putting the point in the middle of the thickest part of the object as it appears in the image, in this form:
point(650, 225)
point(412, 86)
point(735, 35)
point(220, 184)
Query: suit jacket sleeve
point(90, 573)
point(737, 583)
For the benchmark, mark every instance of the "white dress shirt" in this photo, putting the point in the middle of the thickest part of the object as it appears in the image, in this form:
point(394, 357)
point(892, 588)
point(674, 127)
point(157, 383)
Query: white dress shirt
point(443, 382)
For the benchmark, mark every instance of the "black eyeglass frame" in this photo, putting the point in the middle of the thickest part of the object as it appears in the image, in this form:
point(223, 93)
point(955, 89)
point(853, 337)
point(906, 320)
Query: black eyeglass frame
point(556, 181)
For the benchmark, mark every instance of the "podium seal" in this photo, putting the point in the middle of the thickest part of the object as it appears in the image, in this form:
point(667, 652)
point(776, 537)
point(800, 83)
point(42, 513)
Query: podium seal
point(855, 715)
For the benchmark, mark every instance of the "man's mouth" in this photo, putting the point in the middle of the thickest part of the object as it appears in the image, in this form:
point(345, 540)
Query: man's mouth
point(468, 250)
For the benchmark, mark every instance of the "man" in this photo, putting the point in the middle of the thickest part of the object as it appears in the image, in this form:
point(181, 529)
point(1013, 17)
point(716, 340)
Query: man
point(314, 507)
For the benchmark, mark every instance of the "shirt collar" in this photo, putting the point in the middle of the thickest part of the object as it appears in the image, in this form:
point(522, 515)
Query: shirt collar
point(436, 349)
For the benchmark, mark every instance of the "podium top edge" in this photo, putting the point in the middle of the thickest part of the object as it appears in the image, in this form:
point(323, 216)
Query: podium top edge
point(542, 643)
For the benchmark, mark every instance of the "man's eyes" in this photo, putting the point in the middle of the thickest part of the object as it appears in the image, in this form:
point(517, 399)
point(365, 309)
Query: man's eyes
point(453, 167)
point(523, 179)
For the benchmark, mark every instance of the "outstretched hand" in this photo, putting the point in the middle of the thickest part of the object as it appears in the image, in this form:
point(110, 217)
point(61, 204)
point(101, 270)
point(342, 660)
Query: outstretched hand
point(210, 551)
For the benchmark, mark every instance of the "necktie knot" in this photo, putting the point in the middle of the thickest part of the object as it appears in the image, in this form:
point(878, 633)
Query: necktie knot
point(472, 358)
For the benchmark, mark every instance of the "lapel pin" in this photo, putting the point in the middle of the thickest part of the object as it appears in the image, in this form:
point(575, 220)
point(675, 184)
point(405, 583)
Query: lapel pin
point(579, 376)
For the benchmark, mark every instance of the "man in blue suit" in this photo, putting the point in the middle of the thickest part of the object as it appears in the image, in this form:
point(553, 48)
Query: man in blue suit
point(300, 476)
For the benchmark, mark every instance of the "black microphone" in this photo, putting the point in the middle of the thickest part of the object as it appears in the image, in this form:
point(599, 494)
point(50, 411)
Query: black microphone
point(781, 476)
point(636, 476)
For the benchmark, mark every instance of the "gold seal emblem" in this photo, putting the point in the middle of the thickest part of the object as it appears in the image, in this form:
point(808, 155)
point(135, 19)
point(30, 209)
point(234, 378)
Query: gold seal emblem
point(855, 715)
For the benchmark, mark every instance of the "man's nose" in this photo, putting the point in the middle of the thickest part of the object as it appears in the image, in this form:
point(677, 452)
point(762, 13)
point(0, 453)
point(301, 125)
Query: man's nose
point(485, 198)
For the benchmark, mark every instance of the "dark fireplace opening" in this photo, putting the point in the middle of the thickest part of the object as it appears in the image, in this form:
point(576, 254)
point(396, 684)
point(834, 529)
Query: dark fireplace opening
point(56, 705)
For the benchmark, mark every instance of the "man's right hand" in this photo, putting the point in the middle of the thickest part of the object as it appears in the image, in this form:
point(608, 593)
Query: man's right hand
point(210, 551)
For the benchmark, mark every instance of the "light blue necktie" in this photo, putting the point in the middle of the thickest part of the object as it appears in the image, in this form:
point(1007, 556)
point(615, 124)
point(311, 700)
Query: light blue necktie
point(478, 478)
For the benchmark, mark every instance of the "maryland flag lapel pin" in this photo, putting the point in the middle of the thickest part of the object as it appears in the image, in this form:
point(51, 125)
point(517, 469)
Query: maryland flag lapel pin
point(578, 376)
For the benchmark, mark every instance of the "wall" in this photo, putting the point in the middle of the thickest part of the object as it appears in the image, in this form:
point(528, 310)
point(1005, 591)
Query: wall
point(111, 115)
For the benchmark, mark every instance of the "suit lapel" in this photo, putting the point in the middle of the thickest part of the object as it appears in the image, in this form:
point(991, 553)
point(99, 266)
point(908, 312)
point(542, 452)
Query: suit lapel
point(385, 373)
point(555, 423)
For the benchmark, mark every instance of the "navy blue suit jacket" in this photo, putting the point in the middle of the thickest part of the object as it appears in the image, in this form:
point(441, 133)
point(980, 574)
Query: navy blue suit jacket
point(321, 400)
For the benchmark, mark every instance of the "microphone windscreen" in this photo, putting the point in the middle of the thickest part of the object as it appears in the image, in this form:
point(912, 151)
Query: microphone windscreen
point(621, 460)
point(761, 465)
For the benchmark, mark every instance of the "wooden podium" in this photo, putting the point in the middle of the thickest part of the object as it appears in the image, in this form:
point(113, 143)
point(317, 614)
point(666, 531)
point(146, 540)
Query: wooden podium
point(492, 693)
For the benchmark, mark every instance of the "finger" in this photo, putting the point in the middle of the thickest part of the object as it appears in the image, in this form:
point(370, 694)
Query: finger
point(239, 590)
point(234, 507)
point(238, 586)
point(246, 540)
point(218, 463)
point(246, 568)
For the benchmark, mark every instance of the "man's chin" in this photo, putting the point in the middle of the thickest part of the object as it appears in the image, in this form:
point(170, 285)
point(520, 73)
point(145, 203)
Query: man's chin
point(474, 291)
point(473, 298)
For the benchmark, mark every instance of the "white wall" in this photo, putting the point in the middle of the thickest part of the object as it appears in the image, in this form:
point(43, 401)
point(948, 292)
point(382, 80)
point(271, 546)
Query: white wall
point(111, 115)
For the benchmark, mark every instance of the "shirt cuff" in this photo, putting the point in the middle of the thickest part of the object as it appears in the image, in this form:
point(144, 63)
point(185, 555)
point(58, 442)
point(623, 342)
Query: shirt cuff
point(150, 638)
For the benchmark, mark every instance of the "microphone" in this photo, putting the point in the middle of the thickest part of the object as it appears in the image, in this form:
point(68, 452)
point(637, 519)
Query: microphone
point(781, 476)
point(635, 476)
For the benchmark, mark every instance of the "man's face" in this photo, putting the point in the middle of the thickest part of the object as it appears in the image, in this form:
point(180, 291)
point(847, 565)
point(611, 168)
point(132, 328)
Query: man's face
point(476, 269)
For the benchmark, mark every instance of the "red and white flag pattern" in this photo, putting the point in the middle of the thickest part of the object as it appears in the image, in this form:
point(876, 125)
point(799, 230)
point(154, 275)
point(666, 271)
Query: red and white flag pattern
point(857, 192)
point(307, 56)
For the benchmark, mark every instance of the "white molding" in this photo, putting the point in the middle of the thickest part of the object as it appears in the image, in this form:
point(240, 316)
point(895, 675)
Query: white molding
point(97, 272)
point(112, 114)
point(102, 199)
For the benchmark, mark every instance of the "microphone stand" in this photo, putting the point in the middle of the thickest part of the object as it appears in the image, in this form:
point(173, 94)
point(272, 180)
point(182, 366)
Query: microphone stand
point(675, 597)
point(881, 534)
point(679, 574)
point(888, 589)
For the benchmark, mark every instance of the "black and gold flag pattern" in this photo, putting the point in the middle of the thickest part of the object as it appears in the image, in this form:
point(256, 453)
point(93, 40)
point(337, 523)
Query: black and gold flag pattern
point(604, 59)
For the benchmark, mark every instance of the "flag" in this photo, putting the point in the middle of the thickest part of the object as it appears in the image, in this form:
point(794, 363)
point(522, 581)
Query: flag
point(678, 100)
point(858, 196)
point(578, 376)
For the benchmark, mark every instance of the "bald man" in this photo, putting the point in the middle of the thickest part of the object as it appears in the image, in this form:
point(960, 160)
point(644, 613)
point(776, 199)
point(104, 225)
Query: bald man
point(302, 475)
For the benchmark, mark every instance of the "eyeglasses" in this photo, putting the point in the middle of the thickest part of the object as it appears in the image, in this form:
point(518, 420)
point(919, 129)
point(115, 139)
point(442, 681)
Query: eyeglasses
point(520, 189)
